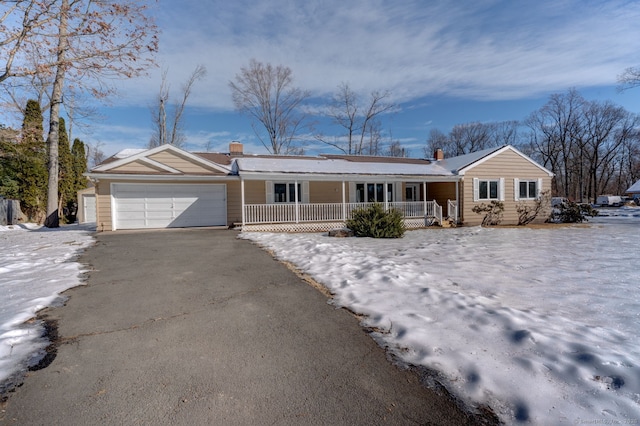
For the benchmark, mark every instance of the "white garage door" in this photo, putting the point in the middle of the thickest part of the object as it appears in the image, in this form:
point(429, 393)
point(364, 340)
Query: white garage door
point(169, 205)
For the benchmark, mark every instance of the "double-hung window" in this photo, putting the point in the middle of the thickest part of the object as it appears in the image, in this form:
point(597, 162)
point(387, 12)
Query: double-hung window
point(488, 189)
point(527, 189)
point(285, 192)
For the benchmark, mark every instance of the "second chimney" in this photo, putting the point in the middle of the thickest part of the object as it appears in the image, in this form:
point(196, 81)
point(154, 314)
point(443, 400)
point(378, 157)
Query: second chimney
point(235, 148)
point(438, 155)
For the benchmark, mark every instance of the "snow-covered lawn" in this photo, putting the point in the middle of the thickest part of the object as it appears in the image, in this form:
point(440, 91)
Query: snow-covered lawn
point(543, 325)
point(36, 265)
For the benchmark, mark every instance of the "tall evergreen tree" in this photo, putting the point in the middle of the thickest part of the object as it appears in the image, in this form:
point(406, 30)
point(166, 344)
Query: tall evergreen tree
point(66, 175)
point(79, 155)
point(29, 164)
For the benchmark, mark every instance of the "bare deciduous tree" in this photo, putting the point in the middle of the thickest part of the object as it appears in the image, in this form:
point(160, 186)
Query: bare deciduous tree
point(630, 78)
point(174, 134)
point(82, 42)
point(267, 94)
point(358, 120)
point(586, 144)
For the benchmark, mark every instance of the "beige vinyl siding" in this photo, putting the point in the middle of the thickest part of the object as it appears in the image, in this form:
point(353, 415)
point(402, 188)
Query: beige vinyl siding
point(103, 205)
point(137, 167)
point(234, 202)
point(255, 192)
point(327, 192)
point(183, 164)
point(508, 165)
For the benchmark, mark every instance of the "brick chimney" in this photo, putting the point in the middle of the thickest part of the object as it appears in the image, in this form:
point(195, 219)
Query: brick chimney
point(438, 155)
point(235, 148)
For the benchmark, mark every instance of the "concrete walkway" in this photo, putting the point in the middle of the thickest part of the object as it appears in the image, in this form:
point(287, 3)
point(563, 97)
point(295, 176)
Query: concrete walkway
point(194, 326)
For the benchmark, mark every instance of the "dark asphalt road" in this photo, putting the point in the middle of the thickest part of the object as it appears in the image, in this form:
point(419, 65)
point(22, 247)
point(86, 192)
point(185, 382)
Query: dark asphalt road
point(195, 326)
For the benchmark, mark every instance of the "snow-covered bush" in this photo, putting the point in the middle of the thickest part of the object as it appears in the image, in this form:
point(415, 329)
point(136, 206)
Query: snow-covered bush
point(527, 212)
point(570, 212)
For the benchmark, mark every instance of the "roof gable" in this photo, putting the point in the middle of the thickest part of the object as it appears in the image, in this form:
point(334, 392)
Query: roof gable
point(464, 163)
point(162, 159)
point(635, 188)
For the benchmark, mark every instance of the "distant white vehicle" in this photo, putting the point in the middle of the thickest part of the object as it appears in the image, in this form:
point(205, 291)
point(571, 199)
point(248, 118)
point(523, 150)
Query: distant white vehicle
point(609, 200)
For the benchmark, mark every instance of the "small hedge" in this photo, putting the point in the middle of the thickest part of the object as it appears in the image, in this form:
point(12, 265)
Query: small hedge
point(375, 222)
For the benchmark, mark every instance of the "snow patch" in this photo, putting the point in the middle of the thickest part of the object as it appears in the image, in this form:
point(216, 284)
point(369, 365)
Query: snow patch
point(543, 325)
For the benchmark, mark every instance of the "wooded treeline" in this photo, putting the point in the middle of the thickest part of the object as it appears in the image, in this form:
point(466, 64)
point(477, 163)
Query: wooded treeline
point(592, 147)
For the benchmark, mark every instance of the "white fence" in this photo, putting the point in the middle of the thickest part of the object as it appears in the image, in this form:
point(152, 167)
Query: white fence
point(332, 212)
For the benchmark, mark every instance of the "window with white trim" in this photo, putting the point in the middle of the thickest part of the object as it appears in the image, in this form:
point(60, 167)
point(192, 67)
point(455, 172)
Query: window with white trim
point(488, 189)
point(527, 189)
point(285, 192)
point(373, 192)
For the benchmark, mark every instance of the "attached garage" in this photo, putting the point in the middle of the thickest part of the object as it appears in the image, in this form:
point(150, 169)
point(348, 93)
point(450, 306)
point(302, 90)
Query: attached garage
point(158, 205)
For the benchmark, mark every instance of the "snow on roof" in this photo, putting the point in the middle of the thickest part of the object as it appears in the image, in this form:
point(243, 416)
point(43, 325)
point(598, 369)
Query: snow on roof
point(634, 189)
point(336, 166)
point(454, 164)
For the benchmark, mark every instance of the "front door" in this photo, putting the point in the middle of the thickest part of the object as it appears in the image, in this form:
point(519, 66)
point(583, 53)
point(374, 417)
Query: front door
point(411, 192)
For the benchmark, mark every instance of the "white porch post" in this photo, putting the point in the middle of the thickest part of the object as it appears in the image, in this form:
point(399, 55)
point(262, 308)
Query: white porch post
point(386, 195)
point(344, 203)
point(424, 196)
point(242, 201)
point(295, 192)
point(457, 203)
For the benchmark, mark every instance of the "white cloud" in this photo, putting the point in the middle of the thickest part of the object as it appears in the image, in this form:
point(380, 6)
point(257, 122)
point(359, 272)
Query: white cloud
point(478, 50)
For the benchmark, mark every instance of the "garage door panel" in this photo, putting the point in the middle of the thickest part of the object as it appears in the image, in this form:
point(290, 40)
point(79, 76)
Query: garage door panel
point(169, 205)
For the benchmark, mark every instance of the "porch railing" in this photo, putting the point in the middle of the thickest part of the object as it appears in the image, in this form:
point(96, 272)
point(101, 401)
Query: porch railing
point(452, 210)
point(332, 212)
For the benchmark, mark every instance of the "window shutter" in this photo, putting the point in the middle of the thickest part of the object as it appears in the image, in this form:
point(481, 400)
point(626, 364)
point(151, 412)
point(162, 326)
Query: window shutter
point(305, 191)
point(268, 185)
point(516, 189)
point(476, 189)
point(352, 192)
point(501, 189)
point(539, 188)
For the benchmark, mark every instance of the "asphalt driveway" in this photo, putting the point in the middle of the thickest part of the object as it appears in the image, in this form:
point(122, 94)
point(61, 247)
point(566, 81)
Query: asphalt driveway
point(195, 326)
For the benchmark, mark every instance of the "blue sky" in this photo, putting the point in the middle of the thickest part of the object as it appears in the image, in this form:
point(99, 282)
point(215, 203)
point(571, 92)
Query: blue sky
point(444, 62)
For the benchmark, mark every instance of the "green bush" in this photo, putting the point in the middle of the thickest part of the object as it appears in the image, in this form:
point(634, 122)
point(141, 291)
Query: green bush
point(571, 212)
point(375, 222)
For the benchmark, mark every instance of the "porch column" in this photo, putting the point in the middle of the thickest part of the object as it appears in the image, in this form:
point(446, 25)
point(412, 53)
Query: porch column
point(242, 201)
point(424, 196)
point(457, 202)
point(386, 195)
point(295, 192)
point(344, 203)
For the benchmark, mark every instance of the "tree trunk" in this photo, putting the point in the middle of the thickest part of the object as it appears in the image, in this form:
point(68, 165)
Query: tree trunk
point(53, 220)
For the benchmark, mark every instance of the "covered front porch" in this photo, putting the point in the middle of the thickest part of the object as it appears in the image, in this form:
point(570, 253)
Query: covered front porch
point(290, 206)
